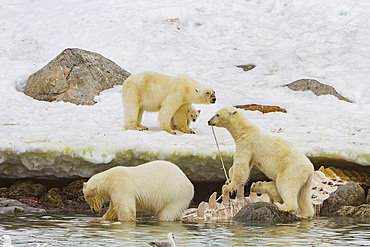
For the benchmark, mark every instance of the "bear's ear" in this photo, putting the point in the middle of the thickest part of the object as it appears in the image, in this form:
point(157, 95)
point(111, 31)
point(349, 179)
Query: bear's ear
point(84, 184)
point(233, 112)
point(197, 90)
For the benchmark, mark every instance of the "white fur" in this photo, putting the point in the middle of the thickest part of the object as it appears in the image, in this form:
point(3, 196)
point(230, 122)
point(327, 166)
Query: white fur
point(157, 187)
point(278, 159)
point(268, 188)
point(151, 91)
point(183, 117)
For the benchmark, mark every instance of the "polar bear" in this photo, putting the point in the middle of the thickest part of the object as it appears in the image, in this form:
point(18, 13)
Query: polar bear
point(268, 188)
point(151, 91)
point(158, 187)
point(278, 159)
point(183, 117)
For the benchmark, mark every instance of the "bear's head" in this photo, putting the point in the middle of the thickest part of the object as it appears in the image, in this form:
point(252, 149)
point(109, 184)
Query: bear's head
point(223, 117)
point(93, 195)
point(193, 114)
point(206, 95)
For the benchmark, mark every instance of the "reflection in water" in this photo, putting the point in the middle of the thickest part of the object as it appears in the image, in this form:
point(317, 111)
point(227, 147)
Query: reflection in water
point(82, 230)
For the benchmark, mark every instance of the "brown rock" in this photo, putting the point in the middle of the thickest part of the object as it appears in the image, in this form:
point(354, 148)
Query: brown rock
point(52, 199)
point(75, 76)
point(316, 87)
point(26, 190)
point(262, 108)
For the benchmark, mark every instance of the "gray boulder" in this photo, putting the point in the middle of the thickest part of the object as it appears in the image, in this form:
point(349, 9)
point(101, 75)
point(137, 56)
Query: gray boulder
point(316, 87)
point(263, 212)
point(350, 194)
point(75, 76)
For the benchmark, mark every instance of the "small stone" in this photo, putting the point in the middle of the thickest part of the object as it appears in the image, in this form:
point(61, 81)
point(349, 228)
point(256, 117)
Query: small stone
point(246, 67)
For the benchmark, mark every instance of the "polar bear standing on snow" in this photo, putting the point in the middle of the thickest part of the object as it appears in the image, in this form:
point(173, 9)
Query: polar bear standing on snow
point(157, 187)
point(278, 159)
point(183, 117)
point(151, 91)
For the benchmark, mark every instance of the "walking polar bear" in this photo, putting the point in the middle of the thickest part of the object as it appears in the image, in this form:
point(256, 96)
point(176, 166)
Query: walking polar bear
point(278, 159)
point(157, 187)
point(151, 91)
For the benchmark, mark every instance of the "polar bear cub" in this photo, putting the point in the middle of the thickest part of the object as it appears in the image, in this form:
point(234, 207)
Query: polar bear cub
point(278, 159)
point(158, 187)
point(268, 188)
point(183, 117)
point(151, 91)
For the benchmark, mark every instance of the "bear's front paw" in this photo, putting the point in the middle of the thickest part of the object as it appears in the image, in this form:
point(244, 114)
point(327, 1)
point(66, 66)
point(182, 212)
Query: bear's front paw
point(230, 188)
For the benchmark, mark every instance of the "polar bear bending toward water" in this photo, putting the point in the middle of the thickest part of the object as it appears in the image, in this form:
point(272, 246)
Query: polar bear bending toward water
point(157, 187)
point(278, 159)
point(151, 91)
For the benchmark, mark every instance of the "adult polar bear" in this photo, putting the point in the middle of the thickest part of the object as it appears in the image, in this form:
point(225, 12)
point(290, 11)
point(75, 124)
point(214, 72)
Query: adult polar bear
point(151, 91)
point(158, 187)
point(277, 158)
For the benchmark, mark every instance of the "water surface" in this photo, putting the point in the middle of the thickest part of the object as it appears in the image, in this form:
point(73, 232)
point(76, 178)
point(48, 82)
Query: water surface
point(83, 230)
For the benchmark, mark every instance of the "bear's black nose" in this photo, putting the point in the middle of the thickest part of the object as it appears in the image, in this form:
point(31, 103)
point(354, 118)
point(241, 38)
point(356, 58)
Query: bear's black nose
point(213, 100)
point(209, 123)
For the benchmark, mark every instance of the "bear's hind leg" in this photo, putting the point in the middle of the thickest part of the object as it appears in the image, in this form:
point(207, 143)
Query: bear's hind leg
point(289, 194)
point(139, 118)
point(165, 115)
point(171, 212)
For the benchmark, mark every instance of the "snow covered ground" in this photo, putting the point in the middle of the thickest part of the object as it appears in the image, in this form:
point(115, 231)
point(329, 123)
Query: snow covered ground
point(287, 40)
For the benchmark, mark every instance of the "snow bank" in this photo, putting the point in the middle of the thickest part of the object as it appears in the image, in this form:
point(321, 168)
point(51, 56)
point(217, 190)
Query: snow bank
point(287, 40)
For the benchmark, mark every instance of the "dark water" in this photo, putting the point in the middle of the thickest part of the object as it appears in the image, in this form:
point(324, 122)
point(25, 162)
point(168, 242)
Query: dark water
point(82, 230)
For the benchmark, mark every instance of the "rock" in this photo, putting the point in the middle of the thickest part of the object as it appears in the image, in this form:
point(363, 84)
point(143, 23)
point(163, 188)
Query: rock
point(316, 87)
point(350, 194)
point(265, 213)
point(246, 67)
point(262, 108)
point(26, 190)
point(75, 76)
point(52, 199)
point(14, 206)
point(362, 211)
point(73, 196)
